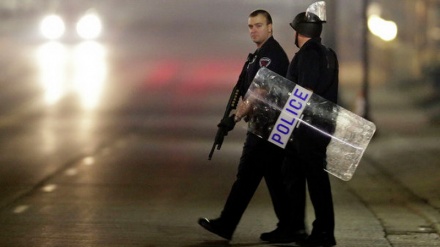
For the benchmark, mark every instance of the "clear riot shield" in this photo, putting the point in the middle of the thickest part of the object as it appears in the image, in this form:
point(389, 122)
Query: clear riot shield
point(280, 107)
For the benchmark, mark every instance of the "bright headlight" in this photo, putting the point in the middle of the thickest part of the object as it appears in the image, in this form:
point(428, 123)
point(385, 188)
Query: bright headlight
point(89, 26)
point(52, 27)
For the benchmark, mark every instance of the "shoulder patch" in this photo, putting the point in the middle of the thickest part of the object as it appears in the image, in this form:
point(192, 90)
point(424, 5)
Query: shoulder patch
point(264, 62)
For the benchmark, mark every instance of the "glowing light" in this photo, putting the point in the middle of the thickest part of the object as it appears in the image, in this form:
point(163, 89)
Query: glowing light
point(89, 26)
point(386, 30)
point(90, 72)
point(52, 61)
point(52, 27)
point(82, 69)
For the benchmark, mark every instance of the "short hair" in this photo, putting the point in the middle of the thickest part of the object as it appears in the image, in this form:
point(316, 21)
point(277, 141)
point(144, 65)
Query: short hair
point(262, 12)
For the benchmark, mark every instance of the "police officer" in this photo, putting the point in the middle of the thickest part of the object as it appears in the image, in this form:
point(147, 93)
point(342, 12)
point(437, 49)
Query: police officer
point(259, 158)
point(314, 67)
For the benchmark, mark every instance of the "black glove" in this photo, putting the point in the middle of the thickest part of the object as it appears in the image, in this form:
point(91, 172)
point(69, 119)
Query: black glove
point(227, 123)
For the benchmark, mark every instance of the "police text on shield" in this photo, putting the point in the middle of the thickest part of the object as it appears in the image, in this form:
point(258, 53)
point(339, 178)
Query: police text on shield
point(289, 116)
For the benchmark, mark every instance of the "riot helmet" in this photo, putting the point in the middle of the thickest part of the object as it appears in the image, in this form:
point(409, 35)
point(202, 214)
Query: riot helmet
point(309, 23)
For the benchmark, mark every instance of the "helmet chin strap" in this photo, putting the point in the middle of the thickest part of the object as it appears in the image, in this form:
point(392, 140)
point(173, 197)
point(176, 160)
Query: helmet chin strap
point(296, 39)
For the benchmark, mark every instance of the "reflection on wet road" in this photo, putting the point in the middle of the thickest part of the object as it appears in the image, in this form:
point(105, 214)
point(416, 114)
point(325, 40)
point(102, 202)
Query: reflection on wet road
point(80, 69)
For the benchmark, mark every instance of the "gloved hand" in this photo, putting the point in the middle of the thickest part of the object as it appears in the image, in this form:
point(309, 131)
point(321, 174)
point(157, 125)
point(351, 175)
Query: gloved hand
point(227, 123)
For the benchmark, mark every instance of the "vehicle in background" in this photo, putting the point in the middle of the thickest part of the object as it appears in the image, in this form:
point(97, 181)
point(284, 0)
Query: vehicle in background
point(87, 26)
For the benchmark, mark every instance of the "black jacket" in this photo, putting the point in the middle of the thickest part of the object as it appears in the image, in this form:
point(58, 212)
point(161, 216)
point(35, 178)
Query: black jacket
point(316, 67)
point(272, 56)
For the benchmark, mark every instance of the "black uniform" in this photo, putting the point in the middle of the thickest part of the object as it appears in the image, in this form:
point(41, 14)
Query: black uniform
point(314, 67)
point(259, 157)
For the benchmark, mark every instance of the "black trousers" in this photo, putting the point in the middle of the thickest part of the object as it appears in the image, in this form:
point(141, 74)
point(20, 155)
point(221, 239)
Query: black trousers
point(308, 166)
point(261, 159)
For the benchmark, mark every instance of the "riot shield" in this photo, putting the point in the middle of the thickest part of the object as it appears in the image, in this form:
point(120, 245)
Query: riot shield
point(280, 107)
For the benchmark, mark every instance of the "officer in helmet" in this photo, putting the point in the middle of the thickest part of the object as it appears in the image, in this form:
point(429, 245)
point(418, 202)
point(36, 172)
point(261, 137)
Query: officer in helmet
point(307, 24)
point(314, 67)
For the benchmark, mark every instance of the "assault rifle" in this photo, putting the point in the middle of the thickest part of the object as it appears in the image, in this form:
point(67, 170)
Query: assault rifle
point(232, 105)
point(222, 131)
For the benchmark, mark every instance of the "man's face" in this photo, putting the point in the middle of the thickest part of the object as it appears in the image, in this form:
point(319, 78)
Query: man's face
point(259, 30)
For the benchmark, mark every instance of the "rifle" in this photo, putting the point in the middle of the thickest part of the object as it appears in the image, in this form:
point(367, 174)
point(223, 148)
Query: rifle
point(232, 105)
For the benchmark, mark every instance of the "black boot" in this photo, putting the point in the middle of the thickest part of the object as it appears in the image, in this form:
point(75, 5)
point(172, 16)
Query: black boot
point(281, 235)
point(322, 239)
point(217, 227)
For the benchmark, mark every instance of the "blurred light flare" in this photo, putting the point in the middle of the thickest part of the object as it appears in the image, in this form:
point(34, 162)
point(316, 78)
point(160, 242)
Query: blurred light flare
point(90, 72)
point(386, 30)
point(52, 27)
point(81, 69)
point(52, 59)
point(89, 26)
